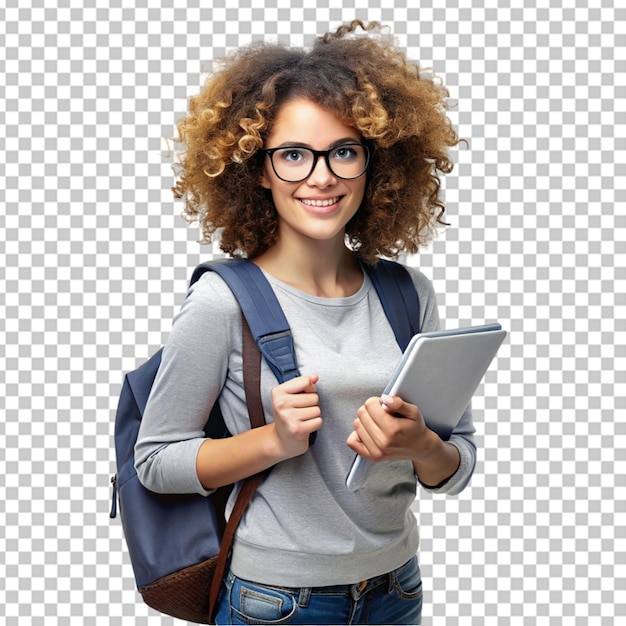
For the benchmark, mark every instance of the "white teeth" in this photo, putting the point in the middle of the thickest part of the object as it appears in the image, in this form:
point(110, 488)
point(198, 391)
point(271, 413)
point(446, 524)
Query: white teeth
point(326, 202)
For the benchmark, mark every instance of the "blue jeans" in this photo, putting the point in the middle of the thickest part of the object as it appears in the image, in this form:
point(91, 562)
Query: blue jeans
point(394, 598)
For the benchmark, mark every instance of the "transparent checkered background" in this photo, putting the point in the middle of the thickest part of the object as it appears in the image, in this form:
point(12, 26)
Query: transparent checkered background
point(94, 260)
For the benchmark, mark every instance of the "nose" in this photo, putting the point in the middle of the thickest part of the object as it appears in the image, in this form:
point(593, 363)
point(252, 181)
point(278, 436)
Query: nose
point(321, 176)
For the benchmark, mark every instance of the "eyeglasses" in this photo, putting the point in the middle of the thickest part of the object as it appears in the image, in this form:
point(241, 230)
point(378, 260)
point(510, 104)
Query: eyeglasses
point(293, 164)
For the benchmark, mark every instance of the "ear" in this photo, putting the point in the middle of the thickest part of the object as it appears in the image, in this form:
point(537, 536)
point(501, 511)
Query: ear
point(264, 178)
point(264, 181)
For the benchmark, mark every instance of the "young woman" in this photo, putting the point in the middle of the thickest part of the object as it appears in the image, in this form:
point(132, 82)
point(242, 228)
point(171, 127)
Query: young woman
point(311, 164)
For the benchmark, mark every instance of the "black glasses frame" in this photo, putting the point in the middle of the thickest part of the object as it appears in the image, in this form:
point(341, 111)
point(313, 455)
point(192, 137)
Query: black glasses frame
point(316, 155)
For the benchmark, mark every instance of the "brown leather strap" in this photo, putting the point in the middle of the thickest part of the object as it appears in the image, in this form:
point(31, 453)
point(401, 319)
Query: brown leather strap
point(252, 387)
point(252, 376)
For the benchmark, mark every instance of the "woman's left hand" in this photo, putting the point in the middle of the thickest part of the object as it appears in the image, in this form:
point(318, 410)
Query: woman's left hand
point(389, 429)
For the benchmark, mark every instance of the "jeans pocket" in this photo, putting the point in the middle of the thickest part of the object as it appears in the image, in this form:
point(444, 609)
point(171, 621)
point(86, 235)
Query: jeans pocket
point(407, 580)
point(257, 604)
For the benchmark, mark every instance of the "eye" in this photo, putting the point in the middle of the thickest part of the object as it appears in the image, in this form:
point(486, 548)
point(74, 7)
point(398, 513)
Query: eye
point(345, 153)
point(294, 156)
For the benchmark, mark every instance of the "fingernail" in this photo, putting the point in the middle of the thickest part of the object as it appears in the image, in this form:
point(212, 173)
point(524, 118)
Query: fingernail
point(386, 399)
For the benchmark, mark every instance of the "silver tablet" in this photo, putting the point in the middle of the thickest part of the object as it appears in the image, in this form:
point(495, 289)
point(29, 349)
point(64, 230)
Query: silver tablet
point(439, 372)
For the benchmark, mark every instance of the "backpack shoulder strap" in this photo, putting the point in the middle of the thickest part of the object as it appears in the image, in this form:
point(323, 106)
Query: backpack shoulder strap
point(262, 310)
point(398, 296)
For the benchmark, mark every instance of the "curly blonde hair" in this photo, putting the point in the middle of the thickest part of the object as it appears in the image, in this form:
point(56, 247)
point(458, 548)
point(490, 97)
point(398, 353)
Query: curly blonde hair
point(368, 84)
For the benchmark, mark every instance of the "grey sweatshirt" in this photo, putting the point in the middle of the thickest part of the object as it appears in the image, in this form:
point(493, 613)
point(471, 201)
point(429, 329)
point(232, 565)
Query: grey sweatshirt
point(303, 527)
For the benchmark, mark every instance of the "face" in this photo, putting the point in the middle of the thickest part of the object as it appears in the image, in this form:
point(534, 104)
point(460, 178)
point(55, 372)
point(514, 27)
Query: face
point(318, 207)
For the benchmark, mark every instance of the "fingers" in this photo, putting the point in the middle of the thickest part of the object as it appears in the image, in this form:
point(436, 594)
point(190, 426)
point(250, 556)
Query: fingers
point(370, 436)
point(380, 433)
point(297, 413)
point(297, 393)
point(300, 384)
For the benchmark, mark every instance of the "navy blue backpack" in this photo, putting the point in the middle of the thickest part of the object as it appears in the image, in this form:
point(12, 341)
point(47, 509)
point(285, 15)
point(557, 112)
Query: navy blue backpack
point(179, 544)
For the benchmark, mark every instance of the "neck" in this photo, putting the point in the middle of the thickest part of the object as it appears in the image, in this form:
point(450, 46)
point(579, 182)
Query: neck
point(329, 271)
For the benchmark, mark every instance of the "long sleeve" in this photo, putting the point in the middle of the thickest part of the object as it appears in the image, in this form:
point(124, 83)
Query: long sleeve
point(463, 435)
point(193, 371)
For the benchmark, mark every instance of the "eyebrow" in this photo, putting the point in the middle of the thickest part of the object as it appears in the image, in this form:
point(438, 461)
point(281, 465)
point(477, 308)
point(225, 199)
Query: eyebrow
point(339, 142)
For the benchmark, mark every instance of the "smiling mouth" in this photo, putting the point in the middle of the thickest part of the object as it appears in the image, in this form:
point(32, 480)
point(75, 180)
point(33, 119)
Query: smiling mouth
point(320, 203)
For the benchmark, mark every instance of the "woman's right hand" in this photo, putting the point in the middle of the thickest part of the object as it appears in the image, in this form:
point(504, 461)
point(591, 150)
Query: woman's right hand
point(297, 414)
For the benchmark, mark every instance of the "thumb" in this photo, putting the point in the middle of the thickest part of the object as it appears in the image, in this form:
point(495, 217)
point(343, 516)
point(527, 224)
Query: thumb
point(313, 380)
point(395, 404)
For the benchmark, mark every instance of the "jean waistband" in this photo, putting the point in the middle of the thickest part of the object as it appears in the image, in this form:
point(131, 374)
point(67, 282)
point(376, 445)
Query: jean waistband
point(355, 590)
